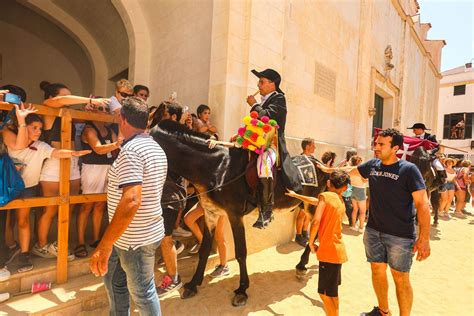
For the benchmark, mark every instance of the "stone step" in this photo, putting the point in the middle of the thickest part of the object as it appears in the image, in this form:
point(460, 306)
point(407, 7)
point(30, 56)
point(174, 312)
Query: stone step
point(84, 294)
point(45, 270)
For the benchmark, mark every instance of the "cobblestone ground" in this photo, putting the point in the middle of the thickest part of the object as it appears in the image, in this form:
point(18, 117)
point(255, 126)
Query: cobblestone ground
point(443, 284)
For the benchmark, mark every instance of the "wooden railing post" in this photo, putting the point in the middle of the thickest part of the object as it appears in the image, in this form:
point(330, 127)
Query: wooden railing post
point(64, 192)
point(64, 199)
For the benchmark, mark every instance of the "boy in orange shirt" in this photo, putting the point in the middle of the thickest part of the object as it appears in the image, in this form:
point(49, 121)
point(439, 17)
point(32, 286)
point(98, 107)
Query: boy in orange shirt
point(327, 224)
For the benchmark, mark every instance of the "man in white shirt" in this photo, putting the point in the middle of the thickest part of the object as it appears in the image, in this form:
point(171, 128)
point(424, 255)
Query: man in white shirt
point(126, 254)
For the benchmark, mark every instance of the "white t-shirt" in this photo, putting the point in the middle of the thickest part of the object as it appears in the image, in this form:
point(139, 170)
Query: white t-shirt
point(140, 161)
point(358, 182)
point(114, 104)
point(33, 160)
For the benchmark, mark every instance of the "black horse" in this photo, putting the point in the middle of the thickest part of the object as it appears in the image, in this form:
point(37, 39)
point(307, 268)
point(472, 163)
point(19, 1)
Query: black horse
point(422, 159)
point(218, 175)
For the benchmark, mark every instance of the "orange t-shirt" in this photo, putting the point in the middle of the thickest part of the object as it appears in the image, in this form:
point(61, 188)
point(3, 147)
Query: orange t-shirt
point(331, 248)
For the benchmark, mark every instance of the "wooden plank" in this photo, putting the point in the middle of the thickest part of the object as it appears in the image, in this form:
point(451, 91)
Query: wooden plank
point(88, 198)
point(75, 114)
point(31, 202)
point(89, 116)
point(64, 190)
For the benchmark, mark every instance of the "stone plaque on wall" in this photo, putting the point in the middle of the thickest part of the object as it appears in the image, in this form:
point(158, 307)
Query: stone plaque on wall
point(325, 82)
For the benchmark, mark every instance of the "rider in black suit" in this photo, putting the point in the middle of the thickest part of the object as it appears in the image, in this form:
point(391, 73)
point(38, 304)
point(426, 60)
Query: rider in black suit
point(273, 105)
point(419, 130)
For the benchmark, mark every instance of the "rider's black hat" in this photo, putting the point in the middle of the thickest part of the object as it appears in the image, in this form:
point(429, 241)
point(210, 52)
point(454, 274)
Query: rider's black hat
point(419, 125)
point(271, 75)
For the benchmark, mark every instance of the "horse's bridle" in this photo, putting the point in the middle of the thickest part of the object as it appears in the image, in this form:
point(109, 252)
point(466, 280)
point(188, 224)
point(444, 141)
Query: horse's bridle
point(208, 191)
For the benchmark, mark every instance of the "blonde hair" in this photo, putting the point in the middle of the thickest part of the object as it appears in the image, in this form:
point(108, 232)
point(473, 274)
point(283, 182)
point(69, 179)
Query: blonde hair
point(123, 83)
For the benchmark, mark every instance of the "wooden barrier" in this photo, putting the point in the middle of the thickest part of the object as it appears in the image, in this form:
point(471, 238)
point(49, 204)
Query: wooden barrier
point(64, 200)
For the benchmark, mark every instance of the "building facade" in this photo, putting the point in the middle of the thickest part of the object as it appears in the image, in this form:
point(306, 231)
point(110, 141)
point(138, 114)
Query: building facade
point(346, 66)
point(456, 112)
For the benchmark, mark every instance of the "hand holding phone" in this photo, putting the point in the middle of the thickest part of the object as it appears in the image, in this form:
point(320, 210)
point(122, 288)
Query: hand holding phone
point(12, 98)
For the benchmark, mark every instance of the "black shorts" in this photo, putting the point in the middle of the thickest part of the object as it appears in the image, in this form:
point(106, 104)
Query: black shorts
point(169, 219)
point(329, 278)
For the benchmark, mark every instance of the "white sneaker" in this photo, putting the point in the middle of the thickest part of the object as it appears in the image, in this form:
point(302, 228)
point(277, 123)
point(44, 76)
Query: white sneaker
point(4, 297)
point(181, 232)
point(4, 275)
point(50, 251)
point(355, 229)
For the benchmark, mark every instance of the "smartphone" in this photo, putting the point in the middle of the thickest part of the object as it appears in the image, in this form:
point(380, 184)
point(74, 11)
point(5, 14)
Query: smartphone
point(12, 98)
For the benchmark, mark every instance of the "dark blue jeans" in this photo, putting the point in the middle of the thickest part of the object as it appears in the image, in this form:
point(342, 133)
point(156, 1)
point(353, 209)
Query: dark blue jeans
point(348, 204)
point(132, 272)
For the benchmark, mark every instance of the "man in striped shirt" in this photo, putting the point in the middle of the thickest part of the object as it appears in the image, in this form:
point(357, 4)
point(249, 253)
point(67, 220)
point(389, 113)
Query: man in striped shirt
point(126, 254)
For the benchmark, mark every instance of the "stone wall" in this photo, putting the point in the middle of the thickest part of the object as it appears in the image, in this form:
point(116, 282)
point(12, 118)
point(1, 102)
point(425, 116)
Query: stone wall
point(181, 35)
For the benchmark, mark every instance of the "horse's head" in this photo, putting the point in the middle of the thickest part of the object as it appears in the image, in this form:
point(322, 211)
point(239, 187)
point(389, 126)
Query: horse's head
point(422, 159)
point(189, 155)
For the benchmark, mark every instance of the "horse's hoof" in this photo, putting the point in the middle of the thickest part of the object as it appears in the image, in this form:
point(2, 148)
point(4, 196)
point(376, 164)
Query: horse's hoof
point(301, 274)
point(187, 293)
point(239, 300)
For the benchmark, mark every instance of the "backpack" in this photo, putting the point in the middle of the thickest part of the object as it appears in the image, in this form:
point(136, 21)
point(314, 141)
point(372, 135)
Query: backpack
point(460, 178)
point(11, 183)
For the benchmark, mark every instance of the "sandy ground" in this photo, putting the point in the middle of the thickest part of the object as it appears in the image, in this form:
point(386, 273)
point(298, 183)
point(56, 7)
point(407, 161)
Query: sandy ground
point(443, 284)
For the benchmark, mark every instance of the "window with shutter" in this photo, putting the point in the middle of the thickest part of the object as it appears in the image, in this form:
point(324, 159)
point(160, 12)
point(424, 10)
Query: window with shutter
point(459, 90)
point(469, 121)
point(446, 126)
point(378, 117)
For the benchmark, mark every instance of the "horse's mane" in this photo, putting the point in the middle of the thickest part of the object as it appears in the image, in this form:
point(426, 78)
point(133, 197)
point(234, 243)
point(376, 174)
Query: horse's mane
point(175, 128)
point(420, 154)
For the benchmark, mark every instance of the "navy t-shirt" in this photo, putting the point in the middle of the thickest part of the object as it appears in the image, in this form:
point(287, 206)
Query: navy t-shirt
point(391, 208)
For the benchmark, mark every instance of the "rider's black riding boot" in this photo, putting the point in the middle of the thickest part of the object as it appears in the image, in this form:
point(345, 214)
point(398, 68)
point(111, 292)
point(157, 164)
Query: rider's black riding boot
point(265, 196)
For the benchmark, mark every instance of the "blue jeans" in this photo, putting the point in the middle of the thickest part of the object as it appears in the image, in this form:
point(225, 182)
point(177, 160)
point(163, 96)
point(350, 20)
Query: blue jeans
point(397, 252)
point(132, 272)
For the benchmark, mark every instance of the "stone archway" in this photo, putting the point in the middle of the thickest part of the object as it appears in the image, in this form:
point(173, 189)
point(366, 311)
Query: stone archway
point(139, 39)
point(87, 42)
point(99, 30)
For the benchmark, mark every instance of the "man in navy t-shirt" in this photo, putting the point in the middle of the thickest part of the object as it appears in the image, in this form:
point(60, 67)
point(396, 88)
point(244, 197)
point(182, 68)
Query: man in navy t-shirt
point(396, 189)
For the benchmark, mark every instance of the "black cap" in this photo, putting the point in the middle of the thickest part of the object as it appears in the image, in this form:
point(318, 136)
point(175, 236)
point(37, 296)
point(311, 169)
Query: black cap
point(271, 75)
point(419, 125)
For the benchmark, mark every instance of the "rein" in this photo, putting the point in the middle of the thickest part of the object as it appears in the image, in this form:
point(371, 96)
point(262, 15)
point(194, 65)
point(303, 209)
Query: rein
point(211, 190)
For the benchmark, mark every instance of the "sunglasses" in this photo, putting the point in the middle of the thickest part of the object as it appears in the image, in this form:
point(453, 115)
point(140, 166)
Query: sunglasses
point(125, 95)
point(103, 108)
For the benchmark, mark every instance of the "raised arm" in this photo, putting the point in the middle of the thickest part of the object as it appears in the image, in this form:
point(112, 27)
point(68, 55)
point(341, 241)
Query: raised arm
point(65, 153)
point(20, 140)
point(61, 101)
point(304, 198)
point(352, 170)
point(90, 137)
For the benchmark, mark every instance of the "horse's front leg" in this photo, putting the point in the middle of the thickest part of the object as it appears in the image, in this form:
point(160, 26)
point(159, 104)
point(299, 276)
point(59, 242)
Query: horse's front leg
point(238, 231)
point(301, 266)
point(190, 288)
point(434, 199)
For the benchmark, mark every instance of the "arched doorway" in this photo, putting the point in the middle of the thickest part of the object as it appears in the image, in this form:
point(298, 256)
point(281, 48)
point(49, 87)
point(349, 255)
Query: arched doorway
point(83, 44)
